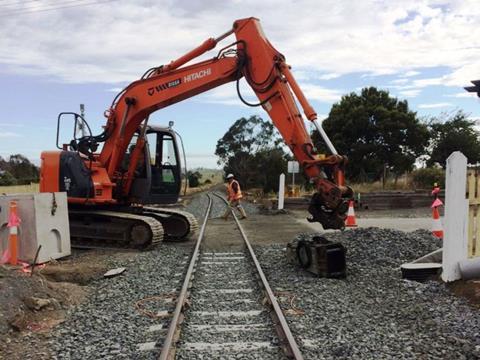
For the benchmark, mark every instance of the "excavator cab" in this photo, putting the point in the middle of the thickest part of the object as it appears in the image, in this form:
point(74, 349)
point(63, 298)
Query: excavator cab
point(158, 175)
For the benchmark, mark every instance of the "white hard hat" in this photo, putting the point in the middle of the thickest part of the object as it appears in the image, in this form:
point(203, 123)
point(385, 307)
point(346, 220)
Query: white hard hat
point(229, 176)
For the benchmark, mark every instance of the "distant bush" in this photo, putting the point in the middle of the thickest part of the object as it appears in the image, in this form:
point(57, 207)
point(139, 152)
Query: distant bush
point(7, 179)
point(207, 182)
point(425, 178)
point(193, 178)
point(17, 170)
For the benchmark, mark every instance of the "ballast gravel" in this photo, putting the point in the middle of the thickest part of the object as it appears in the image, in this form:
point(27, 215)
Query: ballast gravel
point(108, 324)
point(374, 313)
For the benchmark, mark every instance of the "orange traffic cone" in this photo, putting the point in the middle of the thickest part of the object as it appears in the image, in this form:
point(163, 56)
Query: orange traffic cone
point(437, 229)
point(351, 220)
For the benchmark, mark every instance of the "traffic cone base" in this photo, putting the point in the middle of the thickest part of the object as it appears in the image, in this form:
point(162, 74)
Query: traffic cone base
point(437, 229)
point(351, 221)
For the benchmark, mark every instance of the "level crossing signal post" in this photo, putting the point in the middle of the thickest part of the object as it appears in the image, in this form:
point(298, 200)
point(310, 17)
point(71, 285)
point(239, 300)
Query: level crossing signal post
point(293, 168)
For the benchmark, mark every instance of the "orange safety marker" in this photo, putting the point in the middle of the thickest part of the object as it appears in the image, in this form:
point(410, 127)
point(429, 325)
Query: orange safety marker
point(437, 203)
point(351, 220)
point(13, 222)
point(437, 229)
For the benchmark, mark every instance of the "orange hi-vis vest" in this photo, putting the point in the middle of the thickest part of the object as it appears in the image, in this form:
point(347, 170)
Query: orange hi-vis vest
point(232, 195)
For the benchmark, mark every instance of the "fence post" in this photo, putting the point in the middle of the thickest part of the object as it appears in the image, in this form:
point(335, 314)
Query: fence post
point(281, 191)
point(456, 217)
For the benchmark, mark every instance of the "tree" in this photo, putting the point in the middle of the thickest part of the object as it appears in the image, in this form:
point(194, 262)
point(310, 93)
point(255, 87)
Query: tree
point(243, 166)
point(453, 132)
point(270, 164)
point(247, 136)
point(251, 150)
point(377, 132)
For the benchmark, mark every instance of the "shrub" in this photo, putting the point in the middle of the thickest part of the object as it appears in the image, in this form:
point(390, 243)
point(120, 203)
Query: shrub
point(7, 179)
point(193, 179)
point(426, 177)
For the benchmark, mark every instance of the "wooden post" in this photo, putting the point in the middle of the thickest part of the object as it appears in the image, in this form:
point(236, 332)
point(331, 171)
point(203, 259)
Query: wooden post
point(456, 217)
point(281, 192)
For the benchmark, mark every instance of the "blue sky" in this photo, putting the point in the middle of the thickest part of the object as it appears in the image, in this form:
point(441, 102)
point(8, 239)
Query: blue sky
point(54, 57)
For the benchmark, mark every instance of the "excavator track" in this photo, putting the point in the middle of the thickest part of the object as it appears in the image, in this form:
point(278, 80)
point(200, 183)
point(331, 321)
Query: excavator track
point(178, 225)
point(114, 229)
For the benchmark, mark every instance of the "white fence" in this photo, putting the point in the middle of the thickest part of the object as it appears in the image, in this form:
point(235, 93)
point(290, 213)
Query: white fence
point(473, 194)
point(456, 217)
point(462, 215)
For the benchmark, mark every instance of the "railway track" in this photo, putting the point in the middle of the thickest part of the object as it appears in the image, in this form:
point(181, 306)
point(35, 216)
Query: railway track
point(225, 307)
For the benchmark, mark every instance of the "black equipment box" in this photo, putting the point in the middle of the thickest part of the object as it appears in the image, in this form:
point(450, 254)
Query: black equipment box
point(319, 256)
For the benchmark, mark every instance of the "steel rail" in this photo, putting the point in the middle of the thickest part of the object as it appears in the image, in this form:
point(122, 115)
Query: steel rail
point(292, 350)
point(177, 316)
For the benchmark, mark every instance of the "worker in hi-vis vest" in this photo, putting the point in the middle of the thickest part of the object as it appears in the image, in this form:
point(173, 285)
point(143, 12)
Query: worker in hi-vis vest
point(234, 195)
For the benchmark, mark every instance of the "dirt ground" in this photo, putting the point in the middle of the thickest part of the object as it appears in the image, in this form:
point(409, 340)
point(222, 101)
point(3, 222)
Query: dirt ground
point(260, 229)
point(398, 213)
point(35, 304)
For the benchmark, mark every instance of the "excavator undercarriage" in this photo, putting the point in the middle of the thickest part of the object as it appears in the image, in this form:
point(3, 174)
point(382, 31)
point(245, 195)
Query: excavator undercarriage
point(129, 227)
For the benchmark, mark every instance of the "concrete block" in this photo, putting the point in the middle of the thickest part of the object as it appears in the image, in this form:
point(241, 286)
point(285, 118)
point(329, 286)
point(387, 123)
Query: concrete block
point(40, 225)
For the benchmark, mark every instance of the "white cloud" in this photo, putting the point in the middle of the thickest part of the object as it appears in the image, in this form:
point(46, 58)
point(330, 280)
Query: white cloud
point(115, 89)
point(434, 105)
point(329, 76)
point(400, 81)
point(465, 73)
point(421, 83)
point(413, 88)
point(116, 42)
point(8, 134)
point(17, 125)
point(227, 94)
point(410, 93)
point(464, 94)
point(320, 93)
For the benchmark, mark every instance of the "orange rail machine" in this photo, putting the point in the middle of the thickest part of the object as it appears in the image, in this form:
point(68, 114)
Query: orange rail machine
point(105, 188)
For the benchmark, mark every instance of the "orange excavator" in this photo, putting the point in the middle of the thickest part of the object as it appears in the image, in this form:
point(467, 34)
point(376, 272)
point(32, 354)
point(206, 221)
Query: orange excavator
point(139, 164)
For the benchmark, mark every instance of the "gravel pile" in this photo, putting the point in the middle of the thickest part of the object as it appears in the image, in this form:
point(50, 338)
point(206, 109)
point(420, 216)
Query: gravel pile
point(374, 313)
point(107, 325)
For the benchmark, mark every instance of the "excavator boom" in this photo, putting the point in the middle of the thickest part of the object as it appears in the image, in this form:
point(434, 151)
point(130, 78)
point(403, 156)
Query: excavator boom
point(264, 68)
point(250, 56)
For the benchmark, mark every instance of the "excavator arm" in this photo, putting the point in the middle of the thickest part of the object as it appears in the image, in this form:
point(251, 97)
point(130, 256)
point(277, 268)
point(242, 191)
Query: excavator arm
point(253, 57)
